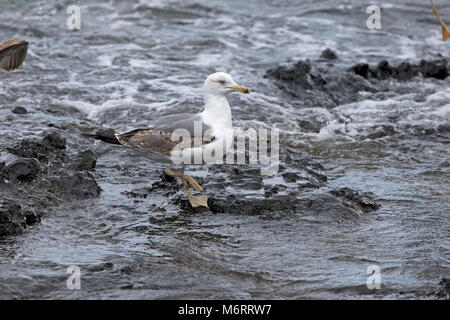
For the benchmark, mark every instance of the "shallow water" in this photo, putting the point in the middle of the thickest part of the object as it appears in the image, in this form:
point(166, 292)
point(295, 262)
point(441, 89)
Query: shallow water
point(133, 61)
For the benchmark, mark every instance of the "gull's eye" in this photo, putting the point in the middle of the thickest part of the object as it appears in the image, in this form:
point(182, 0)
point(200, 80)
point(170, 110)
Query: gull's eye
point(221, 81)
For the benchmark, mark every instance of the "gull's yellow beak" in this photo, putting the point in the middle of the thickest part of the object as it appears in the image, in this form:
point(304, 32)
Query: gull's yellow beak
point(239, 88)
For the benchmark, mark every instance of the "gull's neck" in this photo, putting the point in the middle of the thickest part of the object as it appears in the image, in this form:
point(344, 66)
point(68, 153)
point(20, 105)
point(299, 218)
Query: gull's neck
point(217, 112)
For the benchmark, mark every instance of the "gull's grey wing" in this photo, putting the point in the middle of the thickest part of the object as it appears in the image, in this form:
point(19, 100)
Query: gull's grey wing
point(157, 138)
point(181, 121)
point(154, 140)
point(12, 54)
point(158, 141)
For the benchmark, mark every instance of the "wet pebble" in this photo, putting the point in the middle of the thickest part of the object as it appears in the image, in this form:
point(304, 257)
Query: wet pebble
point(19, 110)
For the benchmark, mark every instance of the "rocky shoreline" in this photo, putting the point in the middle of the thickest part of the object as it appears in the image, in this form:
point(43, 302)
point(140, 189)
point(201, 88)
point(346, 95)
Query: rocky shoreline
point(53, 165)
point(38, 174)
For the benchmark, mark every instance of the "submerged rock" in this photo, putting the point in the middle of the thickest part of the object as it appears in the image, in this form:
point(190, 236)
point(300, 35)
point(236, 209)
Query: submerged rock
point(52, 145)
point(44, 174)
point(21, 170)
point(75, 185)
point(328, 54)
point(435, 69)
point(84, 160)
point(318, 86)
point(405, 71)
point(12, 220)
point(19, 110)
point(364, 200)
point(444, 289)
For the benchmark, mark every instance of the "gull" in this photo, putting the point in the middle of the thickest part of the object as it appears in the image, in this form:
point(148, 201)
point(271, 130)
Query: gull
point(216, 132)
point(12, 54)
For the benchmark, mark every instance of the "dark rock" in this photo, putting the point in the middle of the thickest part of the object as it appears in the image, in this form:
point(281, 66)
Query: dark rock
point(435, 69)
point(311, 125)
point(363, 200)
point(318, 86)
point(12, 221)
point(325, 206)
point(345, 87)
point(19, 110)
point(84, 160)
point(52, 146)
point(241, 206)
point(361, 69)
point(102, 267)
point(23, 170)
point(79, 185)
point(290, 176)
point(328, 54)
point(406, 71)
point(55, 140)
point(31, 217)
point(444, 289)
point(383, 70)
point(383, 131)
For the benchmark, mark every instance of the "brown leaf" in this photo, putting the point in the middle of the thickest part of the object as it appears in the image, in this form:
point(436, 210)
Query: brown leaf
point(445, 32)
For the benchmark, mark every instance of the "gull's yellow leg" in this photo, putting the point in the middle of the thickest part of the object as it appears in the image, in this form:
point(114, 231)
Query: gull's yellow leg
point(195, 201)
point(445, 32)
point(194, 184)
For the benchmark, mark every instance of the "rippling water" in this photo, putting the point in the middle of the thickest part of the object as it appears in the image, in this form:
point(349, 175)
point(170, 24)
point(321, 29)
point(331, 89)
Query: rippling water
point(133, 61)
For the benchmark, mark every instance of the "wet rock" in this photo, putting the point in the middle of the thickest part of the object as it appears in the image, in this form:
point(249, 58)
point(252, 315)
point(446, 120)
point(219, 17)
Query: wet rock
point(21, 170)
point(364, 200)
point(383, 70)
point(328, 54)
point(290, 176)
point(311, 125)
point(346, 87)
point(55, 140)
point(405, 71)
point(52, 145)
point(31, 217)
point(19, 110)
point(380, 132)
point(12, 220)
point(434, 69)
point(361, 69)
point(242, 206)
point(334, 206)
point(84, 160)
point(102, 267)
point(322, 86)
point(79, 185)
point(444, 289)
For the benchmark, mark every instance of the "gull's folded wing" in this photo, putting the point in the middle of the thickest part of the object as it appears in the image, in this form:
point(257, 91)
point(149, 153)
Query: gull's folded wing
point(12, 54)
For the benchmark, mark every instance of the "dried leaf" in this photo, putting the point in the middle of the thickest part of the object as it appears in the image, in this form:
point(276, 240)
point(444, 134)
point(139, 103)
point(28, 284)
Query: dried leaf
point(445, 32)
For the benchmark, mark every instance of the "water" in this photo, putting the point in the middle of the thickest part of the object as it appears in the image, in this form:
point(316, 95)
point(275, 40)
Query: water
point(133, 61)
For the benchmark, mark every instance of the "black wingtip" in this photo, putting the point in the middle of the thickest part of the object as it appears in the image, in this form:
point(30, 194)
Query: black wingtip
point(105, 137)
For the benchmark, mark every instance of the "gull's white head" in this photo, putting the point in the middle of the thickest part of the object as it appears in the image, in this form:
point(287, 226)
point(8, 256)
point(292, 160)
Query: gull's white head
point(220, 83)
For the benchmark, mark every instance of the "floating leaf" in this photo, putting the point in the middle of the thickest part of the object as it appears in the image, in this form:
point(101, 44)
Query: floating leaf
point(445, 32)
